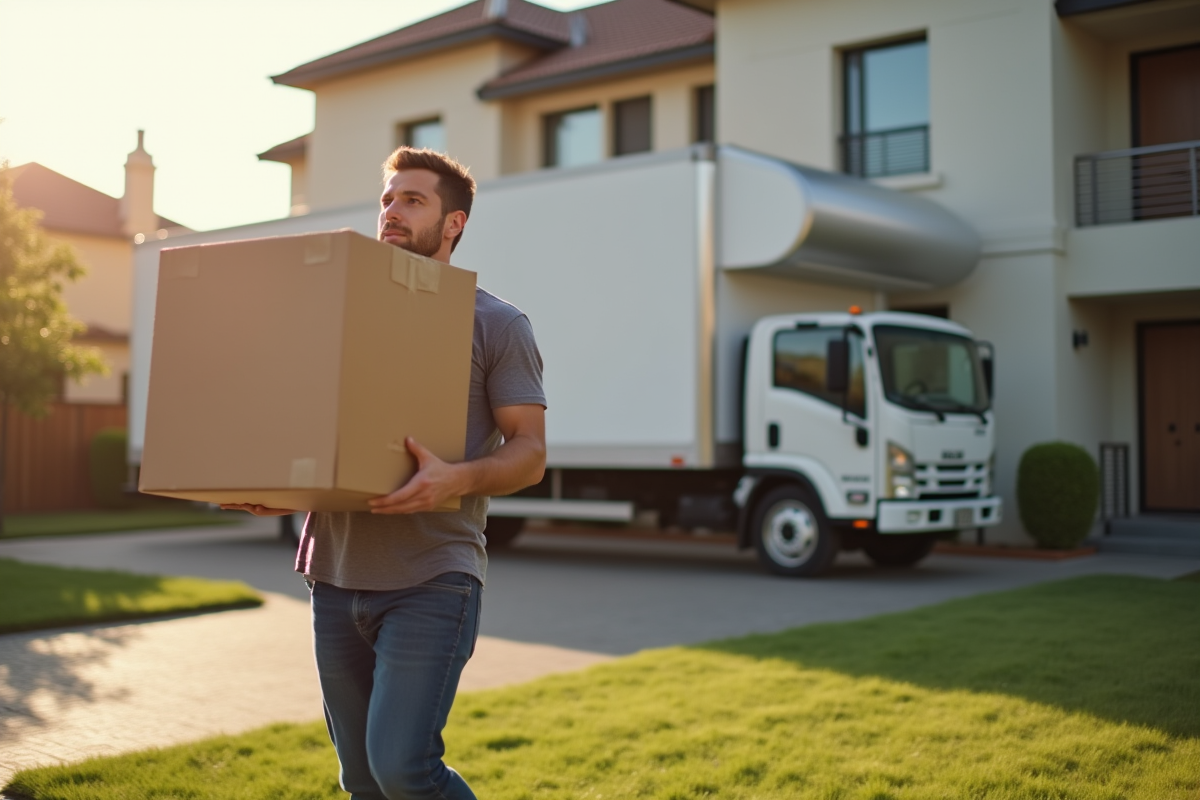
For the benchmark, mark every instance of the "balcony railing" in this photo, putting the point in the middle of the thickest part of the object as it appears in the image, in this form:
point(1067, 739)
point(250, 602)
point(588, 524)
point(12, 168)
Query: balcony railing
point(1142, 183)
point(899, 151)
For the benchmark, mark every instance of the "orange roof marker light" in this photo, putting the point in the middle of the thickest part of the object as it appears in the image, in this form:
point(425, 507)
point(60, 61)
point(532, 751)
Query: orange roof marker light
point(861, 523)
point(856, 310)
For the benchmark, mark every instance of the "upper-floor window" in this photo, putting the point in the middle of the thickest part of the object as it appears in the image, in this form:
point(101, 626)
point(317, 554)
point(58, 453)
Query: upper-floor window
point(631, 126)
point(886, 102)
point(429, 133)
point(800, 364)
point(573, 138)
point(704, 126)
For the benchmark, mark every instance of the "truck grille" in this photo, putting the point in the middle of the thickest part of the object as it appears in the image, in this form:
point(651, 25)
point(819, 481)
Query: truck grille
point(950, 481)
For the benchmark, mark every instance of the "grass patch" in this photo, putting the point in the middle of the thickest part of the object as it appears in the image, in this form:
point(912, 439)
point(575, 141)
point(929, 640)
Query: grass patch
point(1084, 689)
point(34, 596)
point(1194, 577)
point(67, 523)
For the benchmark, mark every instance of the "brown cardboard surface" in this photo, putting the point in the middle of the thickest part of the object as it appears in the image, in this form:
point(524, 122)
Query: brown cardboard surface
point(289, 369)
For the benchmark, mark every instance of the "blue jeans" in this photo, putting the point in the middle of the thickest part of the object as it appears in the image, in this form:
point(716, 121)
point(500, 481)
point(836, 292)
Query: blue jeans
point(389, 664)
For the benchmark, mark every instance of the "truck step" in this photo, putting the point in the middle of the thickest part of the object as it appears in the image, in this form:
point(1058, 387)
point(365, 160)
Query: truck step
point(1155, 527)
point(1148, 545)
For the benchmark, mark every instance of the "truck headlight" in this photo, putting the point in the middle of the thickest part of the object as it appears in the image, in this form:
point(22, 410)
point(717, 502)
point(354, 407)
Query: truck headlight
point(900, 483)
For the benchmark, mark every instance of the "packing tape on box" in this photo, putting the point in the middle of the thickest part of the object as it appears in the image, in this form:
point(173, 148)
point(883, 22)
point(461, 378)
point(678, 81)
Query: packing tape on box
point(304, 473)
point(318, 249)
point(187, 263)
point(415, 274)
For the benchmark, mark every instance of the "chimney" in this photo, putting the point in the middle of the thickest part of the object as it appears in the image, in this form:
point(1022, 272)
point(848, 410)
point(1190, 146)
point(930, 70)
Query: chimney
point(137, 206)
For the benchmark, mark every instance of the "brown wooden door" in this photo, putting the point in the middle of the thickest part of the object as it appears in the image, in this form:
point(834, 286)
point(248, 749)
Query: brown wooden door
point(1170, 359)
point(1166, 86)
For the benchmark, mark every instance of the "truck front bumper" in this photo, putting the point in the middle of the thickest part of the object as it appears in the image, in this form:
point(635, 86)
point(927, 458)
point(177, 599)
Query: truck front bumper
point(926, 516)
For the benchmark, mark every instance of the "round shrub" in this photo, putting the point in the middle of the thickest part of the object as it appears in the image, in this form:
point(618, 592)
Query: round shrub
point(109, 468)
point(1058, 488)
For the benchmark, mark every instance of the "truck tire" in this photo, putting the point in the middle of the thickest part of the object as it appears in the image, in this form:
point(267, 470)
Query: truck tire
point(500, 531)
point(899, 550)
point(792, 535)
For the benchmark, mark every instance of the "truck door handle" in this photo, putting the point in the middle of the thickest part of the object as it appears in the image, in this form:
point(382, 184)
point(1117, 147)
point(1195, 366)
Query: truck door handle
point(773, 435)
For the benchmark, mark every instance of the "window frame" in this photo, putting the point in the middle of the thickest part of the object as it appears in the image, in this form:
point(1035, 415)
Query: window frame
point(620, 107)
point(704, 114)
point(854, 111)
point(549, 130)
point(405, 130)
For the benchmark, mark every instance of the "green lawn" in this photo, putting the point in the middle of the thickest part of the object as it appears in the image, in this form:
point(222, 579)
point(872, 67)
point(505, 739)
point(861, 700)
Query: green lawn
point(1081, 689)
point(34, 596)
point(64, 523)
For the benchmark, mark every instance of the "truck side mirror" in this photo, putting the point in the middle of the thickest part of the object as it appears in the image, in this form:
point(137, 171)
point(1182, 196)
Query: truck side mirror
point(837, 366)
point(987, 360)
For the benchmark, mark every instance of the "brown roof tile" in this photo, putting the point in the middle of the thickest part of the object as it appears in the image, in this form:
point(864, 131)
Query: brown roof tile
point(520, 21)
point(68, 205)
point(620, 34)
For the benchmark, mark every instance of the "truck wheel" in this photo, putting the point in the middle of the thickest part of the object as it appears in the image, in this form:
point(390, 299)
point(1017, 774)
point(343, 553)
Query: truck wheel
point(899, 550)
point(500, 531)
point(792, 535)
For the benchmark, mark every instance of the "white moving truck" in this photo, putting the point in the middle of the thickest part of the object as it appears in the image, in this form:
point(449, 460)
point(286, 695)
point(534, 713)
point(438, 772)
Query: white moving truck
point(694, 367)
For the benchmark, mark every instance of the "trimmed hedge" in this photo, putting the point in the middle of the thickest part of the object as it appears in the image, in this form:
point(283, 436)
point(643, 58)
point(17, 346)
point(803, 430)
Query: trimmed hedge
point(109, 468)
point(1058, 489)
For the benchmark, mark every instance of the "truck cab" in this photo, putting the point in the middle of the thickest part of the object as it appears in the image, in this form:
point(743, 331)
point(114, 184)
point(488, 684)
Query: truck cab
point(870, 431)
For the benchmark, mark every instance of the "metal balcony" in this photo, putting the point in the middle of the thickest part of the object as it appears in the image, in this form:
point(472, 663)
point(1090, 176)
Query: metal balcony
point(1142, 183)
point(899, 151)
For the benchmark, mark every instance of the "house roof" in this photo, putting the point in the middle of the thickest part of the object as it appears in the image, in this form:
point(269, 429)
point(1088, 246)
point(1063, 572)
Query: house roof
point(617, 37)
point(594, 42)
point(515, 20)
point(68, 205)
point(288, 151)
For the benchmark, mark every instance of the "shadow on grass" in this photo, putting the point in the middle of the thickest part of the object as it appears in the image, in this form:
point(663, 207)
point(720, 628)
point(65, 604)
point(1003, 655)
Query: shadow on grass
point(1122, 648)
point(36, 596)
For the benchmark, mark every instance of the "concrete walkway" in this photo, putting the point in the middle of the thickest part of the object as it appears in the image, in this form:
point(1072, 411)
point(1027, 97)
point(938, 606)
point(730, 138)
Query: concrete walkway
point(106, 689)
point(557, 603)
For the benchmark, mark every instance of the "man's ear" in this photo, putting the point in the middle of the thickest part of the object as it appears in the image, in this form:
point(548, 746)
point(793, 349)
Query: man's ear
point(454, 224)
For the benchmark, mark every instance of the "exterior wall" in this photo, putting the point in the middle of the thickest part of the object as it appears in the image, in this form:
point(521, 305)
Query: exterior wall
point(103, 297)
point(299, 204)
point(356, 119)
point(672, 112)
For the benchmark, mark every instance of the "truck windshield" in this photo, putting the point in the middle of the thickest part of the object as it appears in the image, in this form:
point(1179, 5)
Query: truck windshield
point(930, 370)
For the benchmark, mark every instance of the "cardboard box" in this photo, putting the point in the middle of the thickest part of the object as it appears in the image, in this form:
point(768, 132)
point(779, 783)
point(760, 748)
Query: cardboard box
point(288, 371)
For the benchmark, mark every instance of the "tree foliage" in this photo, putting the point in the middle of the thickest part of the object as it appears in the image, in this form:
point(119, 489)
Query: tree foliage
point(36, 352)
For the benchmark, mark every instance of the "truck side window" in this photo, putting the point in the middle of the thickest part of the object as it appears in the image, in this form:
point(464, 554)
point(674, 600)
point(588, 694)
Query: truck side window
point(800, 365)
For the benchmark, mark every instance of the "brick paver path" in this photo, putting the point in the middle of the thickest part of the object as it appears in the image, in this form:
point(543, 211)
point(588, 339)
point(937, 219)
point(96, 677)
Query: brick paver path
point(101, 690)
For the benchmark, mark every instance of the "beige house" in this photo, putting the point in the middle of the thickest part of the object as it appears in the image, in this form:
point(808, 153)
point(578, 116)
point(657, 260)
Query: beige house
point(1066, 133)
point(102, 230)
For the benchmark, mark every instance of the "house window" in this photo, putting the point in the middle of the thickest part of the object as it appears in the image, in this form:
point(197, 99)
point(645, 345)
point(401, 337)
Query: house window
point(631, 126)
point(429, 133)
point(886, 100)
point(573, 138)
point(705, 126)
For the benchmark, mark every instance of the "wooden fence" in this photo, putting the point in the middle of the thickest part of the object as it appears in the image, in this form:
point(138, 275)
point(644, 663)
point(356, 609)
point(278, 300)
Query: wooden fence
point(47, 458)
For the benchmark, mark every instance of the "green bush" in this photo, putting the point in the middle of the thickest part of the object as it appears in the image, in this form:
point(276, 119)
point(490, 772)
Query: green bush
point(109, 468)
point(1058, 488)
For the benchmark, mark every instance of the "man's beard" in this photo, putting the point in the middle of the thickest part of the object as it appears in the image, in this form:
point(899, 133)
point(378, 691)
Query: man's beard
point(425, 243)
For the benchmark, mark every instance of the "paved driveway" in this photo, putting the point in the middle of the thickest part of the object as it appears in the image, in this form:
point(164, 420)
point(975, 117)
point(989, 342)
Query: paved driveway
point(606, 595)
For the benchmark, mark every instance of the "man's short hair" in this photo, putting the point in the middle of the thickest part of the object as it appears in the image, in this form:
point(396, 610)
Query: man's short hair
point(455, 186)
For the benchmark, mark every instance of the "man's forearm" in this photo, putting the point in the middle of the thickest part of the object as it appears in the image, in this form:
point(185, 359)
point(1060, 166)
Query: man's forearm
point(519, 462)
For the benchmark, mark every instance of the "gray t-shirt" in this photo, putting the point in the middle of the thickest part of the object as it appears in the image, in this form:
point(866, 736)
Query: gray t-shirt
point(360, 550)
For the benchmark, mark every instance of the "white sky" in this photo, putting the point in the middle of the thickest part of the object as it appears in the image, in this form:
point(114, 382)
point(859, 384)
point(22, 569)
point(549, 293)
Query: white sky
point(78, 78)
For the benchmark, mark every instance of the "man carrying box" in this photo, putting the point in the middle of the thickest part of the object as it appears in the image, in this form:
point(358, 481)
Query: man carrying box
point(396, 591)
